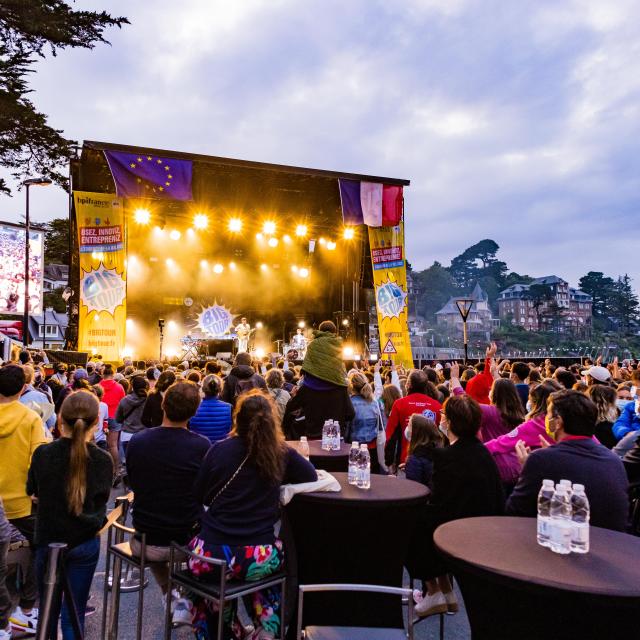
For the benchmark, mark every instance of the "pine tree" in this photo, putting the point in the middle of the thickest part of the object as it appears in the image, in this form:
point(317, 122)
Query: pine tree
point(625, 305)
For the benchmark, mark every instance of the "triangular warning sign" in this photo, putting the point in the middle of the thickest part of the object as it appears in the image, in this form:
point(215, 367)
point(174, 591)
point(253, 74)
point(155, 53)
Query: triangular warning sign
point(389, 348)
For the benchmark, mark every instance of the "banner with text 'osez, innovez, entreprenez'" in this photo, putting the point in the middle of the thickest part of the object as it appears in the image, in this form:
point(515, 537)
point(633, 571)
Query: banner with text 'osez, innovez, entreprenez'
point(103, 279)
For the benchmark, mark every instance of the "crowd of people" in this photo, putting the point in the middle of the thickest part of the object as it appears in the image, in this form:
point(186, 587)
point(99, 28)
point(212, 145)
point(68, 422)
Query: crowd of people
point(203, 448)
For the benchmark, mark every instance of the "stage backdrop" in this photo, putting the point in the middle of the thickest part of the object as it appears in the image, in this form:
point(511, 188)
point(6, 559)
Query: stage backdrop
point(103, 278)
point(390, 283)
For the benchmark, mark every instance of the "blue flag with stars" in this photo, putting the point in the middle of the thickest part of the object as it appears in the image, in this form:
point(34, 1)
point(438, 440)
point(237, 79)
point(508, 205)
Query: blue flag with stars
point(150, 176)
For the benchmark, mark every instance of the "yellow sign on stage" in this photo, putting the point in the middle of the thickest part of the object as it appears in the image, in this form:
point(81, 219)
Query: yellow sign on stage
point(103, 274)
point(390, 282)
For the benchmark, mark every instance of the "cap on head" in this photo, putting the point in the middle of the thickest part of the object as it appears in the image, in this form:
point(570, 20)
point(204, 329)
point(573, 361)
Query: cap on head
point(601, 374)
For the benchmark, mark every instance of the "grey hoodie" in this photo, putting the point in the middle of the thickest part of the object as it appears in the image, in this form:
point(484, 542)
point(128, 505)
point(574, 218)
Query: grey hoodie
point(129, 413)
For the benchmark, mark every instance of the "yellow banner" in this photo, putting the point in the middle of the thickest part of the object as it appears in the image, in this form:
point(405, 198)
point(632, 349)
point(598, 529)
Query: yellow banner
point(390, 282)
point(103, 278)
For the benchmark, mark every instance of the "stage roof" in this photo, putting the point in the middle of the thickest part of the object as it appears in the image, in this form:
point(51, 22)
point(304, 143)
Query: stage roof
point(246, 164)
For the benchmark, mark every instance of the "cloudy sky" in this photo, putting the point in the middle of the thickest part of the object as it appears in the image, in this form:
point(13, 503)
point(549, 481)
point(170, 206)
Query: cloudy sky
point(517, 121)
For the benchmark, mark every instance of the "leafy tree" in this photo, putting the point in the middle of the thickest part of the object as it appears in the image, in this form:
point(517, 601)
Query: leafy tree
point(54, 299)
point(56, 241)
point(554, 313)
point(464, 272)
point(600, 288)
point(625, 305)
point(476, 263)
point(435, 286)
point(29, 29)
point(516, 278)
point(540, 295)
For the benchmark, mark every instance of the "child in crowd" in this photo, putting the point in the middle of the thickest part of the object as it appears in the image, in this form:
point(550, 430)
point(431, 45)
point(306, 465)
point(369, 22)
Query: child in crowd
point(423, 436)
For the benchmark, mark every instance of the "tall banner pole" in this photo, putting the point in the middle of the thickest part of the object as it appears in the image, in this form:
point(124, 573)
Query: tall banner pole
point(390, 283)
point(103, 274)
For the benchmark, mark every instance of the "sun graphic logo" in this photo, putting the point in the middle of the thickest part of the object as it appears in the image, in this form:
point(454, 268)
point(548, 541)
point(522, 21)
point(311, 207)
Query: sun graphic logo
point(390, 298)
point(102, 289)
point(215, 320)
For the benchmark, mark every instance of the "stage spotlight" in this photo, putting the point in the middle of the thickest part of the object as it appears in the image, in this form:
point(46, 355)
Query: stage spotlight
point(263, 267)
point(170, 262)
point(127, 352)
point(273, 242)
point(331, 245)
point(259, 353)
point(129, 323)
point(345, 322)
point(159, 231)
point(268, 228)
point(175, 235)
point(301, 324)
point(172, 324)
point(347, 352)
point(191, 232)
point(322, 241)
point(218, 268)
point(259, 237)
point(201, 221)
point(286, 239)
point(235, 225)
point(259, 325)
point(204, 264)
point(294, 269)
point(349, 233)
point(301, 230)
point(304, 272)
point(232, 266)
point(142, 216)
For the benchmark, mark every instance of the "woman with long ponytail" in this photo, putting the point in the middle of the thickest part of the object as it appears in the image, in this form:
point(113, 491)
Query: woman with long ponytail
point(239, 481)
point(71, 479)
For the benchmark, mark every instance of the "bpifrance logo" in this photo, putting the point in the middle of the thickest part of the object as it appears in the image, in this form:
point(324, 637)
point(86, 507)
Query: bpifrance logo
point(391, 299)
point(102, 289)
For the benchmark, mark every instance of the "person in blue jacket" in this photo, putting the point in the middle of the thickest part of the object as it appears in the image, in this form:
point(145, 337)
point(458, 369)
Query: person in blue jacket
point(626, 428)
point(423, 436)
point(213, 418)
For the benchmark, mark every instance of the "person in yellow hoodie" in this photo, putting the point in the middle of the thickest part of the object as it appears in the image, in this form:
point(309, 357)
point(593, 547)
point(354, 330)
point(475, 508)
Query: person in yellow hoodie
point(21, 433)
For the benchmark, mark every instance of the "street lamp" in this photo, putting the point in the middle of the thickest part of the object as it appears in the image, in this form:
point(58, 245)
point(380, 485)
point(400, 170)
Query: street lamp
point(30, 182)
point(464, 307)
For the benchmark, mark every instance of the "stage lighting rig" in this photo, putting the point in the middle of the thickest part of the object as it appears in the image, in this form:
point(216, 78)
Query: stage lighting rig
point(235, 225)
point(142, 216)
point(349, 233)
point(301, 230)
point(304, 272)
point(331, 245)
point(218, 268)
point(175, 234)
point(269, 228)
point(200, 221)
point(273, 242)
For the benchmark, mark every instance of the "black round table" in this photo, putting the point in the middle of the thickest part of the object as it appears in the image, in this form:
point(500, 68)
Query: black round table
point(328, 460)
point(514, 588)
point(353, 536)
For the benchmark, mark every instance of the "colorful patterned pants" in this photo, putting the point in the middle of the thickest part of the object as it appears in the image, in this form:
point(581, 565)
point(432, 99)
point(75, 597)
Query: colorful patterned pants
point(243, 563)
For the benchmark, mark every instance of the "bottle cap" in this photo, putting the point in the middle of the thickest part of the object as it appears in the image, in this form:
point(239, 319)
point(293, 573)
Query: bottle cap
point(363, 446)
point(303, 438)
point(578, 488)
point(355, 444)
point(565, 483)
point(561, 488)
point(547, 483)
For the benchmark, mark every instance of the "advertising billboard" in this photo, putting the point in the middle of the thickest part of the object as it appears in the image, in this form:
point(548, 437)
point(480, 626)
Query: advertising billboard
point(12, 267)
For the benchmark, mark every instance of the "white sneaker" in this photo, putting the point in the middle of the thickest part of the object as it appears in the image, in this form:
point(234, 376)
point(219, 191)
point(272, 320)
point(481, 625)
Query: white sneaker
point(28, 623)
point(5, 634)
point(452, 602)
point(182, 612)
point(431, 605)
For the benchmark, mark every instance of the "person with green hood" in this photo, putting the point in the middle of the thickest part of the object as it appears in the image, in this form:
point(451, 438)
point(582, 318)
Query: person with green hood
point(323, 394)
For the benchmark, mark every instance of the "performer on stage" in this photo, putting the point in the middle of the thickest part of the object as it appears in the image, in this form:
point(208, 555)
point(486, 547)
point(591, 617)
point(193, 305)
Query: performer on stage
point(243, 330)
point(299, 343)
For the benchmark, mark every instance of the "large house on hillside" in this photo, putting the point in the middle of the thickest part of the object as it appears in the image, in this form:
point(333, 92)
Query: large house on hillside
point(565, 309)
point(480, 317)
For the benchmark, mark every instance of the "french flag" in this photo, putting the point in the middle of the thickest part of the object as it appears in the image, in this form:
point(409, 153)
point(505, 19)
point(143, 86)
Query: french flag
point(370, 203)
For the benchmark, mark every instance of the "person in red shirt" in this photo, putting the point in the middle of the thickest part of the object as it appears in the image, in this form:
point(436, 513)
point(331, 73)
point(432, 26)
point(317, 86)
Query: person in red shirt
point(420, 399)
point(113, 393)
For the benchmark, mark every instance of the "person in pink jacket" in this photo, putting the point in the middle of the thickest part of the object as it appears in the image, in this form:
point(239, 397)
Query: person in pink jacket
point(503, 448)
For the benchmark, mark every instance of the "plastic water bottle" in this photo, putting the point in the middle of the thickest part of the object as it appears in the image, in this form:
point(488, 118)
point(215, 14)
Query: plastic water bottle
point(336, 436)
point(544, 505)
point(326, 429)
point(354, 455)
point(364, 468)
point(560, 512)
point(568, 485)
point(304, 447)
point(580, 514)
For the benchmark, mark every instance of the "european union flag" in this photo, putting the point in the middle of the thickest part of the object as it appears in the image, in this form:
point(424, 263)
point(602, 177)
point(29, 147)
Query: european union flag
point(149, 176)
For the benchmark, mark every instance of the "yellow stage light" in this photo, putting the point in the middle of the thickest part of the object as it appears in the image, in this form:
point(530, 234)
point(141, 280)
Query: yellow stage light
point(218, 268)
point(127, 352)
point(158, 231)
point(172, 324)
point(345, 322)
point(232, 266)
point(175, 235)
point(322, 241)
point(349, 233)
point(142, 216)
point(204, 264)
point(273, 242)
point(301, 230)
point(294, 268)
point(347, 352)
point(331, 245)
point(129, 323)
point(301, 324)
point(235, 225)
point(269, 227)
point(259, 325)
point(304, 272)
point(201, 221)
point(259, 237)
point(191, 232)
point(263, 267)
point(286, 239)
point(259, 353)
point(170, 262)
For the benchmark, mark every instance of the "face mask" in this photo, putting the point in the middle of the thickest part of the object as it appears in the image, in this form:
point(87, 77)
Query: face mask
point(407, 433)
point(528, 406)
point(443, 427)
point(621, 403)
point(547, 427)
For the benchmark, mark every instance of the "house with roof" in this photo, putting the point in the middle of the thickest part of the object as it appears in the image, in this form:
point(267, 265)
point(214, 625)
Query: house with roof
point(480, 319)
point(55, 276)
point(47, 331)
point(564, 309)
